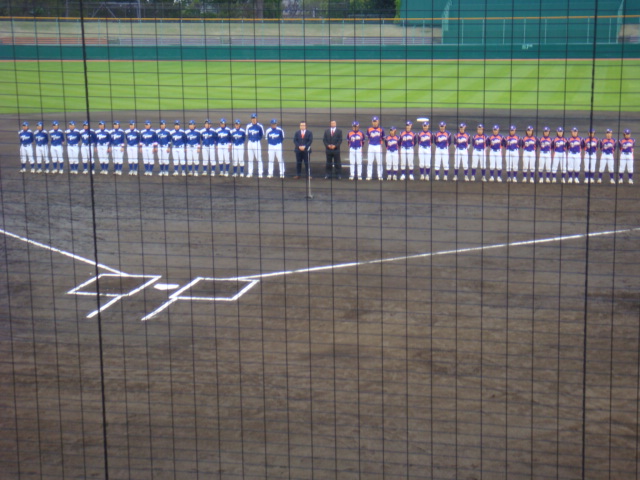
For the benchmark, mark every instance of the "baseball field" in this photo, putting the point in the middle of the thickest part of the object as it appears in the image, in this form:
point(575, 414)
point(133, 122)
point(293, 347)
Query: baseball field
point(218, 328)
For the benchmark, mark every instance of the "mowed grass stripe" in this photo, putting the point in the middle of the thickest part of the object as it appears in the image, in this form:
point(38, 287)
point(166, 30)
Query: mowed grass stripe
point(33, 86)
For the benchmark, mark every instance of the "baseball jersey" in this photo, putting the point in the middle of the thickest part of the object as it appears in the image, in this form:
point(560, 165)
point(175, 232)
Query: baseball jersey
point(626, 145)
point(425, 138)
point(496, 142)
point(72, 136)
point(103, 137)
point(608, 146)
point(255, 133)
point(545, 142)
point(163, 137)
point(209, 137)
point(275, 136)
point(576, 144)
point(117, 137)
point(132, 136)
point(591, 145)
point(462, 140)
point(375, 136)
point(529, 143)
point(26, 137)
point(442, 139)
point(238, 136)
point(224, 136)
point(407, 139)
point(178, 138)
point(391, 143)
point(479, 141)
point(559, 144)
point(88, 136)
point(193, 137)
point(512, 142)
point(148, 137)
point(355, 138)
point(41, 138)
point(57, 137)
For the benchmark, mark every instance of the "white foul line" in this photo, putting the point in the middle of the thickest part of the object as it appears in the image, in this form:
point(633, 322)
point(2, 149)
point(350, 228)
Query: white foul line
point(62, 252)
point(434, 254)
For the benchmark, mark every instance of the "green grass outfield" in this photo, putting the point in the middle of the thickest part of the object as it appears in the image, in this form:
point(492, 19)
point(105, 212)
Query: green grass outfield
point(32, 87)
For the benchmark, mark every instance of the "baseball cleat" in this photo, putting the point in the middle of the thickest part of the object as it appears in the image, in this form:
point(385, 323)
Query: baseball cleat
point(621, 181)
point(491, 179)
point(175, 173)
point(508, 179)
point(570, 180)
point(631, 181)
point(426, 178)
point(351, 177)
point(402, 177)
point(195, 174)
point(61, 171)
point(484, 178)
point(515, 180)
point(455, 178)
point(466, 178)
point(33, 170)
point(499, 179)
point(39, 170)
point(421, 177)
point(411, 177)
point(437, 177)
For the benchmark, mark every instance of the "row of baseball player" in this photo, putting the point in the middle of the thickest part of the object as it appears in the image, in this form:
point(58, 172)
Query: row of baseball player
point(555, 152)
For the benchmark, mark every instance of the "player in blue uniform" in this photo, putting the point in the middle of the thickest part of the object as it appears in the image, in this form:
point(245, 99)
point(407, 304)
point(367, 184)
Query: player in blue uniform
point(591, 146)
point(255, 134)
point(627, 144)
point(375, 137)
point(132, 139)
point(479, 156)
point(209, 141)
point(163, 135)
point(26, 146)
point(462, 141)
point(224, 147)
point(193, 148)
point(87, 149)
point(496, 144)
point(425, 138)
point(103, 142)
point(148, 145)
point(275, 139)
point(529, 147)
point(56, 137)
point(117, 147)
point(559, 149)
point(442, 140)
point(392, 143)
point(238, 137)
point(178, 142)
point(408, 142)
point(544, 162)
point(512, 146)
point(608, 148)
point(41, 138)
point(355, 140)
point(73, 138)
point(575, 146)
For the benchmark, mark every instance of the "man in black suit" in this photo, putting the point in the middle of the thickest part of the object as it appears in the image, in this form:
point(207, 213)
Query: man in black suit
point(302, 139)
point(332, 140)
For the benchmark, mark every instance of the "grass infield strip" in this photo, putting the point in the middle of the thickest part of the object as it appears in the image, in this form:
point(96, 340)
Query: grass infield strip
point(59, 86)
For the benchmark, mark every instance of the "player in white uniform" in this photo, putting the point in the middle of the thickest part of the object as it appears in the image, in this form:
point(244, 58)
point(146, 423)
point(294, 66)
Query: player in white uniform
point(462, 141)
point(72, 137)
point(56, 136)
point(575, 146)
point(544, 162)
point(26, 147)
point(591, 145)
point(627, 145)
point(425, 138)
point(529, 147)
point(238, 137)
point(608, 148)
point(87, 148)
point(479, 156)
point(193, 149)
point(375, 137)
point(103, 140)
point(163, 136)
point(41, 138)
point(178, 142)
point(148, 145)
point(275, 138)
point(117, 147)
point(255, 134)
point(224, 147)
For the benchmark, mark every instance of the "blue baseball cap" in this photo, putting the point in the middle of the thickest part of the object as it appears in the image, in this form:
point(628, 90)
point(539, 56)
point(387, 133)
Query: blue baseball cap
point(55, 122)
point(409, 122)
point(39, 124)
point(443, 124)
point(391, 128)
point(355, 123)
point(132, 122)
point(546, 129)
point(480, 125)
point(463, 125)
point(86, 123)
point(273, 120)
point(496, 127)
point(609, 130)
point(223, 120)
point(529, 127)
point(375, 119)
point(162, 122)
point(254, 115)
point(560, 129)
point(147, 122)
point(592, 130)
point(206, 120)
point(25, 124)
point(99, 123)
point(512, 127)
point(574, 129)
point(177, 122)
point(627, 131)
point(425, 124)
point(116, 122)
point(192, 122)
point(237, 122)
point(72, 122)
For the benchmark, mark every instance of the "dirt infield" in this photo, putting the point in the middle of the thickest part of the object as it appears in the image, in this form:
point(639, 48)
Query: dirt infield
point(379, 330)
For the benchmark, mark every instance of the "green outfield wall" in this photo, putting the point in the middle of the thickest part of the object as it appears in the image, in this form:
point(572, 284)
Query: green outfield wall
point(365, 52)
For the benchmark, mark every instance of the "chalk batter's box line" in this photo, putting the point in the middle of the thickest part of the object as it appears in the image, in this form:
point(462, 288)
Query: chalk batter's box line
point(177, 295)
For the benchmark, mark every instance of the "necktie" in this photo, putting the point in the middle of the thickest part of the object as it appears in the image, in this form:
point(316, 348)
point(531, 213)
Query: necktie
point(333, 130)
point(302, 132)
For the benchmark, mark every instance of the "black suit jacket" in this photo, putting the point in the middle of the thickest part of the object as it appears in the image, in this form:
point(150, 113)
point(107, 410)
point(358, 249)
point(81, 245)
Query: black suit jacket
point(335, 139)
point(306, 141)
